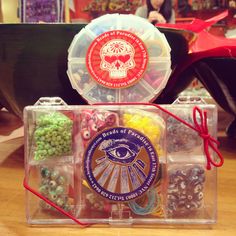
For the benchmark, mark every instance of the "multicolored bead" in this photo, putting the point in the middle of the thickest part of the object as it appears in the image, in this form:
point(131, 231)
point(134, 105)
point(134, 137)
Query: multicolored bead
point(53, 187)
point(59, 190)
point(185, 190)
point(101, 94)
point(61, 180)
point(55, 174)
point(179, 136)
point(92, 121)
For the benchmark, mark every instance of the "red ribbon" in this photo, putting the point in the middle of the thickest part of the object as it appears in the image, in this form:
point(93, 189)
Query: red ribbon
point(209, 142)
point(26, 185)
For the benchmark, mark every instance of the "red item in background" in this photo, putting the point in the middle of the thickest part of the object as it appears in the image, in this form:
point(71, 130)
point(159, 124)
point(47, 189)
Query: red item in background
point(205, 45)
point(79, 14)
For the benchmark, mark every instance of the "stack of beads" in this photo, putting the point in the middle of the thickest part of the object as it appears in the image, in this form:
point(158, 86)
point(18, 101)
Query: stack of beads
point(52, 136)
point(185, 190)
point(98, 93)
point(54, 187)
point(185, 140)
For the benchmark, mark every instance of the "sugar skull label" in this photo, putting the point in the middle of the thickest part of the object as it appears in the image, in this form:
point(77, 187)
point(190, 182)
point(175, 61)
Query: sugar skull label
point(120, 164)
point(117, 59)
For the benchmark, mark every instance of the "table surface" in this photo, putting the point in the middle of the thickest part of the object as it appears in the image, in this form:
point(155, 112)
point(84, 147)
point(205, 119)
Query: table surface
point(12, 195)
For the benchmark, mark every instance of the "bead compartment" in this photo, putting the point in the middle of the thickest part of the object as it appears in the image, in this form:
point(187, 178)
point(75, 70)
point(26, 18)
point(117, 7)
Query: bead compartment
point(52, 136)
point(185, 191)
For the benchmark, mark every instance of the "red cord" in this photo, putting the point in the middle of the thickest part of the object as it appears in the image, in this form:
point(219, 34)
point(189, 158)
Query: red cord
point(52, 204)
point(201, 128)
point(207, 139)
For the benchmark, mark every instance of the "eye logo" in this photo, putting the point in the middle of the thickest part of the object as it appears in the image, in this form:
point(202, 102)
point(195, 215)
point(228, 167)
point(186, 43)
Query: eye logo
point(121, 151)
point(120, 164)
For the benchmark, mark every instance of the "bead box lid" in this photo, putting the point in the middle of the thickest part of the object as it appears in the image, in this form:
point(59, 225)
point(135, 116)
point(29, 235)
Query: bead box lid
point(119, 58)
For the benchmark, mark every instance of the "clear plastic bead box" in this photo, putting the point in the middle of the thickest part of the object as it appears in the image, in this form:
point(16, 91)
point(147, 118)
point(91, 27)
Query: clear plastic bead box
point(118, 165)
point(119, 58)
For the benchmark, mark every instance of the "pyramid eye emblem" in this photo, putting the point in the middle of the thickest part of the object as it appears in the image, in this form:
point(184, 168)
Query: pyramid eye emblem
point(122, 150)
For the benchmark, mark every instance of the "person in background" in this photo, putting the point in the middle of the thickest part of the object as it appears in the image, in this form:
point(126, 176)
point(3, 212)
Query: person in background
point(157, 11)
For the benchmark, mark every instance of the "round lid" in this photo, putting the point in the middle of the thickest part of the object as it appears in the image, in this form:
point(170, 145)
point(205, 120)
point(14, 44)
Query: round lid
point(119, 58)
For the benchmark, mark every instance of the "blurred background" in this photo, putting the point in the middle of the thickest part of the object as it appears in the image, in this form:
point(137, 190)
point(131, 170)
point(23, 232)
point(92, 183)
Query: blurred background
point(83, 11)
point(16, 11)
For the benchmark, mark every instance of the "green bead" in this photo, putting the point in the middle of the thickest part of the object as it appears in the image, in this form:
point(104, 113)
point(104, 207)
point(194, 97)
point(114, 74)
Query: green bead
point(47, 146)
point(40, 147)
point(60, 129)
point(64, 133)
point(50, 152)
point(52, 143)
point(61, 142)
point(56, 143)
point(53, 130)
point(46, 130)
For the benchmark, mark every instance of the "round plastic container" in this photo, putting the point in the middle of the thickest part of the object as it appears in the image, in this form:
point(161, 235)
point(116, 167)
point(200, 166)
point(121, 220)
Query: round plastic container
point(119, 58)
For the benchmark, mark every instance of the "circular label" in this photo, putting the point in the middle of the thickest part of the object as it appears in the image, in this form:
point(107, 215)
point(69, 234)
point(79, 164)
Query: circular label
point(120, 164)
point(117, 59)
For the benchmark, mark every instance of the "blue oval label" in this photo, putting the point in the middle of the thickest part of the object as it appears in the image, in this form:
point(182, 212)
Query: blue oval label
point(120, 164)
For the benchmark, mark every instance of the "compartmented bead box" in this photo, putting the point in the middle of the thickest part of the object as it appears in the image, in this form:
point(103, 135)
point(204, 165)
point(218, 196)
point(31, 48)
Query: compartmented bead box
point(121, 164)
point(119, 58)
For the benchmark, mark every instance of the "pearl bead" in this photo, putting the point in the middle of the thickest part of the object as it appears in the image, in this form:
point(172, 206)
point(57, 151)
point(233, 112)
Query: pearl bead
point(67, 207)
point(61, 180)
point(54, 174)
point(59, 190)
point(52, 184)
point(60, 202)
point(52, 196)
point(43, 189)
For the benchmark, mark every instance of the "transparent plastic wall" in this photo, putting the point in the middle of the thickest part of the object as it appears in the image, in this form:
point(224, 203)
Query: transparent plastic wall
point(118, 165)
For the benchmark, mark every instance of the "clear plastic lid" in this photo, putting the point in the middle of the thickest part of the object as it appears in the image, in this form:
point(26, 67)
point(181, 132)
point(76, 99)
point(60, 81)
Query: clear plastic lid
point(119, 58)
